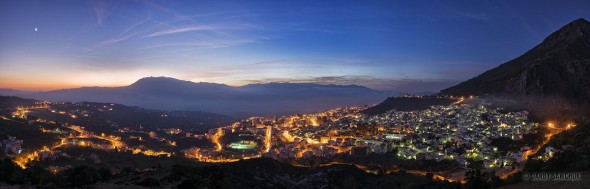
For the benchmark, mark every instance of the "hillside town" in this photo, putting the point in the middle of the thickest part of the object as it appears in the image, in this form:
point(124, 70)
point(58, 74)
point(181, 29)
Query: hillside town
point(455, 134)
point(462, 132)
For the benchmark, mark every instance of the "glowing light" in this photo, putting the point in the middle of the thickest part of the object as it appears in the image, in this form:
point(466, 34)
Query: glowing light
point(215, 139)
point(458, 100)
point(243, 145)
point(267, 138)
point(314, 121)
point(288, 136)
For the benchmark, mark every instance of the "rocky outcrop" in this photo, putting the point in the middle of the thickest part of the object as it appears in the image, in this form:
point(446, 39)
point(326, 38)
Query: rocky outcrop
point(559, 66)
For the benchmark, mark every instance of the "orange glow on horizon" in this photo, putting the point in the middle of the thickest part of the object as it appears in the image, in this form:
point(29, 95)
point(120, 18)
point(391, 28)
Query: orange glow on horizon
point(35, 87)
point(42, 86)
point(47, 87)
point(53, 83)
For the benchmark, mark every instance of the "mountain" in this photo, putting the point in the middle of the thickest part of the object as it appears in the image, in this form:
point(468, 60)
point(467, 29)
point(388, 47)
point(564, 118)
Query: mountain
point(254, 99)
point(559, 66)
point(407, 104)
point(12, 92)
point(103, 117)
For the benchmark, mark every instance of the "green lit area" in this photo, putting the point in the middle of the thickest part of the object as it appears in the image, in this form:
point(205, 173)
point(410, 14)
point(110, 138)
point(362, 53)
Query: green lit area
point(243, 145)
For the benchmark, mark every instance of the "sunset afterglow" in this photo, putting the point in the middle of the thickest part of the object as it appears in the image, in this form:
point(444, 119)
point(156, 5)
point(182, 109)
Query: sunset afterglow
point(54, 45)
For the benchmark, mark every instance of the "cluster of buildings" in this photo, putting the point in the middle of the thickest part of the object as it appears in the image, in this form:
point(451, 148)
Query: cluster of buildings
point(457, 132)
point(11, 146)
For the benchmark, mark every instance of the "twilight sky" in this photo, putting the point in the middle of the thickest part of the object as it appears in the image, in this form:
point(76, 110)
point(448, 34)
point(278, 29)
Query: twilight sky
point(405, 46)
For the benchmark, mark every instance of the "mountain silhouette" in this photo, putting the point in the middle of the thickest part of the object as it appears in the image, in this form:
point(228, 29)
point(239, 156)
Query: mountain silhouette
point(559, 66)
point(13, 92)
point(254, 99)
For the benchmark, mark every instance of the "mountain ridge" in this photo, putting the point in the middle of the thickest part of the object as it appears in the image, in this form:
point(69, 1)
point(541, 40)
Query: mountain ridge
point(13, 92)
point(558, 66)
point(254, 99)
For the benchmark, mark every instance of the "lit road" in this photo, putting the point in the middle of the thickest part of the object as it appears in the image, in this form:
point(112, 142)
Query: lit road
point(268, 139)
point(215, 139)
point(553, 130)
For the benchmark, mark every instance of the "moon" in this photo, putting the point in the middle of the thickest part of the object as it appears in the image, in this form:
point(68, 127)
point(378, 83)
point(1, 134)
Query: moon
point(36, 29)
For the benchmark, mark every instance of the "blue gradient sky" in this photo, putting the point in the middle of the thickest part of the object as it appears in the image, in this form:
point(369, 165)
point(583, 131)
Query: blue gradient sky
point(404, 46)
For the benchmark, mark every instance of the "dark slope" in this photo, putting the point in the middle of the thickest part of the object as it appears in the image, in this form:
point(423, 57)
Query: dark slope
point(407, 104)
point(559, 66)
point(269, 173)
point(102, 115)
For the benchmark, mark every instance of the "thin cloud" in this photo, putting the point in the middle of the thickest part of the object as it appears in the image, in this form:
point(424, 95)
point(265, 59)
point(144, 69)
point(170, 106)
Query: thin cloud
point(462, 13)
point(132, 27)
point(124, 35)
point(103, 9)
point(212, 28)
point(205, 44)
point(181, 30)
point(521, 19)
point(192, 47)
point(115, 40)
point(174, 53)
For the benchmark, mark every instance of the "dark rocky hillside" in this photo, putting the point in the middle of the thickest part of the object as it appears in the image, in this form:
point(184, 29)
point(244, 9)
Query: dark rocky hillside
point(558, 67)
point(407, 104)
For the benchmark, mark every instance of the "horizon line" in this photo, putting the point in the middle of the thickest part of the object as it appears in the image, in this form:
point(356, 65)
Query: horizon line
point(65, 87)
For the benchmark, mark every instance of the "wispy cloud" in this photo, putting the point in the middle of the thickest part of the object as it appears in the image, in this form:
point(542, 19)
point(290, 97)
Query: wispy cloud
point(125, 34)
point(103, 9)
point(115, 40)
point(202, 29)
point(182, 30)
point(188, 48)
point(525, 24)
point(470, 14)
point(204, 45)
point(132, 27)
point(199, 30)
point(218, 28)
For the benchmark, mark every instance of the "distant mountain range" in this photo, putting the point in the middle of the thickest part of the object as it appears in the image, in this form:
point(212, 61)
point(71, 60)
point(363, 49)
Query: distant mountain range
point(123, 116)
point(558, 67)
point(13, 92)
point(254, 99)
